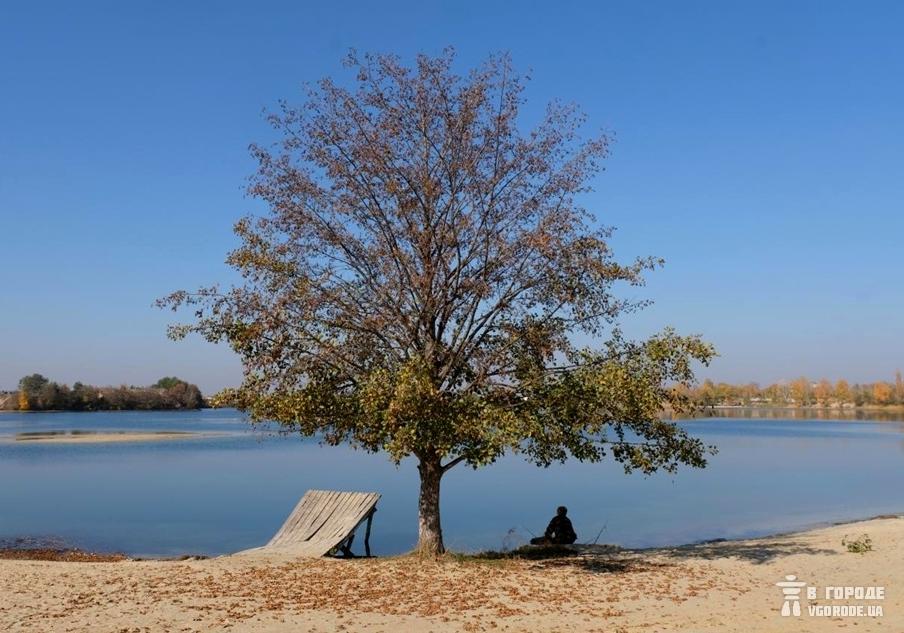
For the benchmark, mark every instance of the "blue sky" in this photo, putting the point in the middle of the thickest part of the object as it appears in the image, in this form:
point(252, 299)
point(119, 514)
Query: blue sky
point(760, 150)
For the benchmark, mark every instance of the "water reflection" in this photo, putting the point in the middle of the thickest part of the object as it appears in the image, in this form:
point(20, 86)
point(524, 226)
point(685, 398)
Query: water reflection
point(796, 413)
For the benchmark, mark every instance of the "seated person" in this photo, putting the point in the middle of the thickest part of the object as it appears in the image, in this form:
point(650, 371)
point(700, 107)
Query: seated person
point(558, 532)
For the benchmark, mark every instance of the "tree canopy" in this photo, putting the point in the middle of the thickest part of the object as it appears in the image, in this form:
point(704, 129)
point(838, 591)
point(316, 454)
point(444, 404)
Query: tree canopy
point(423, 277)
point(168, 382)
point(32, 383)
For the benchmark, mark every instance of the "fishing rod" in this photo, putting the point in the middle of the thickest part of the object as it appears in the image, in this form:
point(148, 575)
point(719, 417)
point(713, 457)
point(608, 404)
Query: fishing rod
point(600, 533)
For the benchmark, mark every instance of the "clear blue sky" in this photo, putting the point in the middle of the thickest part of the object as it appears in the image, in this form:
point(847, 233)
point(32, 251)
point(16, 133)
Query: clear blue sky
point(760, 151)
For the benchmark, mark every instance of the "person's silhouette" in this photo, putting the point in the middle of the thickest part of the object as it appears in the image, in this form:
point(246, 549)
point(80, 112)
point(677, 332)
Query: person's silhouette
point(559, 531)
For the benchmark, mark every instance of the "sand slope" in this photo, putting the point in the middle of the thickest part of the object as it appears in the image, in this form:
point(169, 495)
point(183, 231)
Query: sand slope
point(726, 586)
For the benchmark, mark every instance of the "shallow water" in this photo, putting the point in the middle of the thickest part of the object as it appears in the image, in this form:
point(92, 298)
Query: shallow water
point(214, 495)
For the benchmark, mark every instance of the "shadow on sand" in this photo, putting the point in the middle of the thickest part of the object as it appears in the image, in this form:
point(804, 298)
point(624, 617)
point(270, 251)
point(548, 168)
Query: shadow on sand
point(755, 551)
point(601, 559)
point(607, 559)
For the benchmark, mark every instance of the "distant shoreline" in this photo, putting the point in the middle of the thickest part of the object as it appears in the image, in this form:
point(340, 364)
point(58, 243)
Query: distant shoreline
point(890, 408)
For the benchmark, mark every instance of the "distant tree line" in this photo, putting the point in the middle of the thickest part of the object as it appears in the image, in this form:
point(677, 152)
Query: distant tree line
point(803, 392)
point(37, 393)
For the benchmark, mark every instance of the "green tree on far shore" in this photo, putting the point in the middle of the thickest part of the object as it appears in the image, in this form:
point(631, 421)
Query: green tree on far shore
point(167, 382)
point(32, 384)
point(843, 391)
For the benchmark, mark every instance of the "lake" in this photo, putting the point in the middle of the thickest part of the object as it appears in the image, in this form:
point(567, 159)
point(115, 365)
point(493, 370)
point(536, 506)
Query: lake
point(232, 491)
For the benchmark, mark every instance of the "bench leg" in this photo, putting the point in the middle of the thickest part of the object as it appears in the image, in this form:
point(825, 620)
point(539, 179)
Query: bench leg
point(370, 518)
point(346, 546)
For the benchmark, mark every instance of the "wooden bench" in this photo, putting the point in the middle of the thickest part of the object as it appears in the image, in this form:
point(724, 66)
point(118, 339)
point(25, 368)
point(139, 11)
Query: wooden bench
point(324, 521)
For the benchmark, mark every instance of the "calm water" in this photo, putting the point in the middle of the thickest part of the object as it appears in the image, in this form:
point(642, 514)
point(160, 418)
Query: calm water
point(226, 493)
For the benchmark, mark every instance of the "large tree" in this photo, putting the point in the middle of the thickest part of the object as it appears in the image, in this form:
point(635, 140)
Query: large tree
point(424, 276)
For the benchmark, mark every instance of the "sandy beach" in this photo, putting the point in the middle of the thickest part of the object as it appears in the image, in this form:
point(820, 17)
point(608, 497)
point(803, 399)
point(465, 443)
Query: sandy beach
point(105, 438)
point(724, 586)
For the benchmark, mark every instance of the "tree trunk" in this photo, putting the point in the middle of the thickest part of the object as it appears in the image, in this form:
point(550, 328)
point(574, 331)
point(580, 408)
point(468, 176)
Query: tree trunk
point(430, 533)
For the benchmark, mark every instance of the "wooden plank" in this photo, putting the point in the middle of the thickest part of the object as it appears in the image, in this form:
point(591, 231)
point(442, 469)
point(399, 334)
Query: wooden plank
point(301, 526)
point(336, 515)
point(299, 517)
point(362, 506)
point(303, 529)
point(342, 510)
point(344, 518)
point(327, 509)
point(347, 513)
point(308, 501)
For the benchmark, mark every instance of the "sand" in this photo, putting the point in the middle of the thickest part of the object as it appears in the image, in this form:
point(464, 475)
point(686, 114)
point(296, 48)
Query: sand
point(90, 437)
point(727, 586)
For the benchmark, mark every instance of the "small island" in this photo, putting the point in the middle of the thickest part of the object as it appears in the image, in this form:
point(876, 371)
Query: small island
point(38, 393)
point(106, 437)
